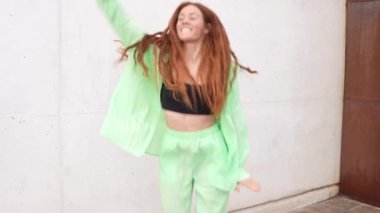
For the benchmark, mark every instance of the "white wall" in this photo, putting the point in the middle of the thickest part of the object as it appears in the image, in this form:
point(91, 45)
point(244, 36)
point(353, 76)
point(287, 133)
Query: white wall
point(57, 74)
point(30, 135)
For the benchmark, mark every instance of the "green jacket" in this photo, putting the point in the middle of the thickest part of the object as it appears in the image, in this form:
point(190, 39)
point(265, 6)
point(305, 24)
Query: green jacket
point(135, 120)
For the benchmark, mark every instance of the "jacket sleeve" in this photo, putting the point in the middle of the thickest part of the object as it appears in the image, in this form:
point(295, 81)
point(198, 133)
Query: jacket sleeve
point(241, 129)
point(121, 23)
point(134, 119)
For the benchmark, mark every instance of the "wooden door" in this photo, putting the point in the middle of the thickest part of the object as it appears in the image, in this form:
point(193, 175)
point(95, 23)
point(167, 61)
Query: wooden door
point(360, 157)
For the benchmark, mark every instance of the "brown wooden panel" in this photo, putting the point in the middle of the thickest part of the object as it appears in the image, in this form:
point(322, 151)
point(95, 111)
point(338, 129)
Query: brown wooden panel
point(360, 166)
point(360, 158)
point(361, 0)
point(363, 51)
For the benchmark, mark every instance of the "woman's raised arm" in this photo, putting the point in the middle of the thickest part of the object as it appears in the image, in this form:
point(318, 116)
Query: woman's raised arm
point(121, 23)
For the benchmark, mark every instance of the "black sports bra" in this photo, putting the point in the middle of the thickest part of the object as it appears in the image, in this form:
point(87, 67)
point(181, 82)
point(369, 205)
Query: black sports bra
point(168, 102)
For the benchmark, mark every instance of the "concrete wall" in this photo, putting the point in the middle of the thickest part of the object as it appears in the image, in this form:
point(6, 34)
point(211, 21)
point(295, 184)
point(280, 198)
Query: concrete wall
point(57, 74)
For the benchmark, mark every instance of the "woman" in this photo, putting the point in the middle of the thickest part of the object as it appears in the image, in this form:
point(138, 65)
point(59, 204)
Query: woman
point(178, 99)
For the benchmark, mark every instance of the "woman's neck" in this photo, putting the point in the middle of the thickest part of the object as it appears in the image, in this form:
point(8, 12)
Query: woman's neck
point(192, 52)
point(193, 58)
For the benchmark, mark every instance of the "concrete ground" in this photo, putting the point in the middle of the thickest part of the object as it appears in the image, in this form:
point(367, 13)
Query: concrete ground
point(339, 204)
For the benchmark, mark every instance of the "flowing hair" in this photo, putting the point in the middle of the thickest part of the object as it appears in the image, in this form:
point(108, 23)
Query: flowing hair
point(214, 69)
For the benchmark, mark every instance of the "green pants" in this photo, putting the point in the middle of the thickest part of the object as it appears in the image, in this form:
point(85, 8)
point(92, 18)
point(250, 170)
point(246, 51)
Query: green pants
point(192, 160)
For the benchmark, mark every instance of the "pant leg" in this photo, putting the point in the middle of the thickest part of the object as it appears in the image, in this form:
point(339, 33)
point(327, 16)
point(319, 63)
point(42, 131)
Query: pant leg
point(208, 166)
point(176, 197)
point(210, 199)
point(176, 181)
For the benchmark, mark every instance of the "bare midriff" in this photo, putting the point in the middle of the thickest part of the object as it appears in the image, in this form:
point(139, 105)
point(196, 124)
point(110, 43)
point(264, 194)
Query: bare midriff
point(188, 122)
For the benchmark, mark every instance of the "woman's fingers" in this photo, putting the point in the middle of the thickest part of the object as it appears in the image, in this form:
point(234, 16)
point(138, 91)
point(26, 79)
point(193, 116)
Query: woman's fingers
point(251, 184)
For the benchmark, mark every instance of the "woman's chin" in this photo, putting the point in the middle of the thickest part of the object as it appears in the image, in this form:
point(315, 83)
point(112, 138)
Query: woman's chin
point(189, 39)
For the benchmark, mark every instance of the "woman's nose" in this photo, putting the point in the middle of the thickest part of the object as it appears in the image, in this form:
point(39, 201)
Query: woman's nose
point(185, 21)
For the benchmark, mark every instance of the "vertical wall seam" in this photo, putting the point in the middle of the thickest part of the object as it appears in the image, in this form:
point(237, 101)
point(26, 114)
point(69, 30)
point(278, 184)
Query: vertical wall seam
point(344, 36)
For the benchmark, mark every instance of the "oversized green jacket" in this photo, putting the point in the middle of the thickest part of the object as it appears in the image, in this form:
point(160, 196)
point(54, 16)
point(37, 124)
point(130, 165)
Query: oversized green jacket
point(135, 120)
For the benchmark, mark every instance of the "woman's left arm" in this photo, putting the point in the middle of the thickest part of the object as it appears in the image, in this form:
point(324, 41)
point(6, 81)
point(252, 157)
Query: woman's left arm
point(241, 128)
point(240, 124)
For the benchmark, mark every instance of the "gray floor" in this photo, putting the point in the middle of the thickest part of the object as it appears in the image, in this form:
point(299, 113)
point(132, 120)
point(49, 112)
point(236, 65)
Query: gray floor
point(339, 204)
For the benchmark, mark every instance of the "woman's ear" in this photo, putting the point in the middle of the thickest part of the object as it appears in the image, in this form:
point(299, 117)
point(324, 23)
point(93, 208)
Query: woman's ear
point(207, 28)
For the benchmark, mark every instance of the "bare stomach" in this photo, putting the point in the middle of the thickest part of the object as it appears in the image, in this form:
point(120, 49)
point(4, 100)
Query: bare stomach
point(187, 122)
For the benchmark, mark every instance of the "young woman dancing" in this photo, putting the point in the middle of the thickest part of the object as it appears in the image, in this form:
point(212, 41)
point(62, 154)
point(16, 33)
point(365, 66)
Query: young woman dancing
point(178, 99)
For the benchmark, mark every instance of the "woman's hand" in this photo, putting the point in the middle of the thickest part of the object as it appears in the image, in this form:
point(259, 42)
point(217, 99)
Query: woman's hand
point(250, 183)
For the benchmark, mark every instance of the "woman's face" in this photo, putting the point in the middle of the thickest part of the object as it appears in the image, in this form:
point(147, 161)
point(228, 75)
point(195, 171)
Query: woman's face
point(190, 25)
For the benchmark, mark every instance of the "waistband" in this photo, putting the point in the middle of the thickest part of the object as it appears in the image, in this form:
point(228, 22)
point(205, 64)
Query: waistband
point(191, 134)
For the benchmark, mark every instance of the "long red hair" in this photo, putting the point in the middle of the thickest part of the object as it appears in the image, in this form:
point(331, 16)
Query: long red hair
point(214, 69)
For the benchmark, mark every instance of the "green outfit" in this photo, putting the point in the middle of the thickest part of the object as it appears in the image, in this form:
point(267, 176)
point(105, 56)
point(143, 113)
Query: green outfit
point(135, 119)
